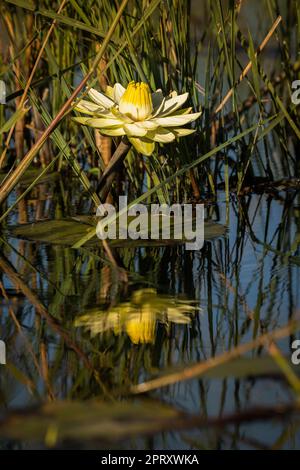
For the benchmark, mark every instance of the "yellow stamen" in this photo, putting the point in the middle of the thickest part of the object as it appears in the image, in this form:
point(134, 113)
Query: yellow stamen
point(136, 101)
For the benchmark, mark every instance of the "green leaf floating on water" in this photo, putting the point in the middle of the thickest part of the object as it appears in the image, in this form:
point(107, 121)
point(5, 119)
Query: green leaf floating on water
point(70, 230)
point(246, 367)
point(66, 420)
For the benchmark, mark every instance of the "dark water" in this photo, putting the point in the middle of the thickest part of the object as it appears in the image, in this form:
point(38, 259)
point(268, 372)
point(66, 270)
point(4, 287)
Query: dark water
point(245, 283)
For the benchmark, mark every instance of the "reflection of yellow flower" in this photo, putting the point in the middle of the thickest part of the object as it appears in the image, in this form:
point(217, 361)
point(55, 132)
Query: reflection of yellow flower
point(140, 327)
point(144, 117)
point(139, 316)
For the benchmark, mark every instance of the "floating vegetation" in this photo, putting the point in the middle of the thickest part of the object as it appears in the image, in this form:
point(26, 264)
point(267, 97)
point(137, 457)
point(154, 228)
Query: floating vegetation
point(69, 231)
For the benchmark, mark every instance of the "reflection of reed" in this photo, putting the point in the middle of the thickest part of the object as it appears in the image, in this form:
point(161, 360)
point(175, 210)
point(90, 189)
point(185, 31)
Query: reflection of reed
point(219, 276)
point(197, 370)
point(20, 331)
point(19, 284)
point(41, 368)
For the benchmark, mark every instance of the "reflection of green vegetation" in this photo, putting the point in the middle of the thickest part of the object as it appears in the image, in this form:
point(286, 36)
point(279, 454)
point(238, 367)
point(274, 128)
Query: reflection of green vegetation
point(243, 281)
point(139, 316)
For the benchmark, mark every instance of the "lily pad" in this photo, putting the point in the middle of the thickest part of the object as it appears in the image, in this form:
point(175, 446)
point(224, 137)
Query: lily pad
point(70, 230)
point(65, 420)
point(247, 367)
point(59, 232)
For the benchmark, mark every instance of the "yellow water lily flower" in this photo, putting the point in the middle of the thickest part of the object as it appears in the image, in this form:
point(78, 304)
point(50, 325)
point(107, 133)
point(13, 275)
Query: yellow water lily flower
point(143, 116)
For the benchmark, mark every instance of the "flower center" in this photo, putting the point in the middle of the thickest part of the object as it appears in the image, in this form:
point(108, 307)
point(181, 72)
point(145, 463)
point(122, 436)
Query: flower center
point(136, 101)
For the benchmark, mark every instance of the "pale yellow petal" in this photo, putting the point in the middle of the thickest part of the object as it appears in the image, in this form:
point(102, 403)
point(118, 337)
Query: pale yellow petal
point(118, 92)
point(171, 105)
point(81, 120)
point(161, 135)
point(100, 99)
point(142, 145)
point(182, 131)
point(109, 92)
point(89, 107)
point(149, 124)
point(113, 131)
point(134, 130)
point(178, 120)
point(102, 123)
point(116, 113)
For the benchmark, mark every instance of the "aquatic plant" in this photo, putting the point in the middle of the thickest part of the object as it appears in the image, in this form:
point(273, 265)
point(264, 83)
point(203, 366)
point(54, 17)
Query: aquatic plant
point(144, 117)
